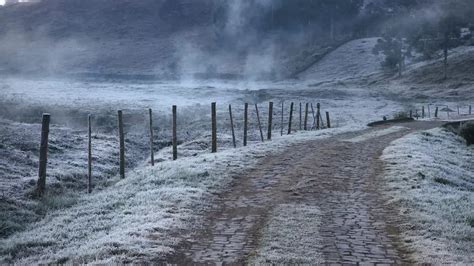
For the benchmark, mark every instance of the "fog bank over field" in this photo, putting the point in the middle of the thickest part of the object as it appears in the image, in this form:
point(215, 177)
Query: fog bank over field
point(182, 39)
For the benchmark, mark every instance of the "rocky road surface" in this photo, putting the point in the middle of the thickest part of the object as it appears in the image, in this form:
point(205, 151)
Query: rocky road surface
point(340, 175)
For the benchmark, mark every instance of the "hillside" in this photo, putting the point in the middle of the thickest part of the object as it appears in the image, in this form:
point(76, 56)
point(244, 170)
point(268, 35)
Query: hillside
point(354, 64)
point(425, 79)
point(155, 39)
point(353, 60)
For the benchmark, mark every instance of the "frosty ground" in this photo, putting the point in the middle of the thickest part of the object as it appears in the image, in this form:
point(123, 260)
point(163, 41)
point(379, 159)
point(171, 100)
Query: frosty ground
point(142, 218)
point(430, 176)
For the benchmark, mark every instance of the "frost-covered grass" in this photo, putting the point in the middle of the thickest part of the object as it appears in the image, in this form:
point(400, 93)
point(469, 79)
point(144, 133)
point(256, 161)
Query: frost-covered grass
point(137, 219)
point(431, 177)
point(66, 173)
point(22, 102)
point(282, 244)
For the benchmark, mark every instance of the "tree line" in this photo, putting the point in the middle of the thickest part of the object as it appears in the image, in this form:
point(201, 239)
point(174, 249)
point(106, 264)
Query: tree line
point(426, 29)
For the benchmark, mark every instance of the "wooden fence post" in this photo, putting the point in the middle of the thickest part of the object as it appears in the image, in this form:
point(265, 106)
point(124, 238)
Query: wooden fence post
point(122, 144)
point(436, 112)
point(43, 158)
point(328, 120)
point(423, 112)
point(282, 111)
point(411, 113)
point(214, 127)
point(89, 155)
point(259, 124)
point(306, 116)
point(232, 126)
point(270, 121)
point(470, 109)
point(429, 111)
point(246, 110)
point(301, 117)
point(318, 115)
point(152, 154)
point(314, 117)
point(290, 119)
point(459, 112)
point(175, 135)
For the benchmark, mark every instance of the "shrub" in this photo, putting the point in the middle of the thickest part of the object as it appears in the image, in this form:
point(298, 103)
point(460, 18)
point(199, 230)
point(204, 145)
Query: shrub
point(467, 132)
point(401, 115)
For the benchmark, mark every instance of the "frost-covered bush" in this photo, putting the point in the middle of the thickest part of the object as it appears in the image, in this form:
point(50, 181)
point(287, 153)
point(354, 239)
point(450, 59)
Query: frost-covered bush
point(467, 132)
point(401, 115)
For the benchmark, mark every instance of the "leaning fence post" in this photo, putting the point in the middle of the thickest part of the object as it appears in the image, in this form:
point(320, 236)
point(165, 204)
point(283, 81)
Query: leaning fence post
point(259, 124)
point(175, 135)
point(152, 154)
point(290, 119)
point(282, 112)
point(306, 116)
point(436, 112)
point(246, 110)
point(270, 120)
point(318, 115)
point(328, 120)
point(43, 159)
point(122, 144)
point(214, 127)
point(89, 155)
point(232, 126)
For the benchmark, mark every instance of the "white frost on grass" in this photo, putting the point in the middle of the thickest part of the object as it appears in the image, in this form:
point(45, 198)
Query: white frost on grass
point(376, 133)
point(135, 219)
point(282, 244)
point(431, 177)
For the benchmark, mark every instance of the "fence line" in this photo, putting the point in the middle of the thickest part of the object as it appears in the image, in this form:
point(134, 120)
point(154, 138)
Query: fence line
point(318, 123)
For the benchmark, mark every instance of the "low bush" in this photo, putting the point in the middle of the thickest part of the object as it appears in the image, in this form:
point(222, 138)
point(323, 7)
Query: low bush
point(467, 132)
point(401, 115)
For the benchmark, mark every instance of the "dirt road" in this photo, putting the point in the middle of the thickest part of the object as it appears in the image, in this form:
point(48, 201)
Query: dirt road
point(339, 175)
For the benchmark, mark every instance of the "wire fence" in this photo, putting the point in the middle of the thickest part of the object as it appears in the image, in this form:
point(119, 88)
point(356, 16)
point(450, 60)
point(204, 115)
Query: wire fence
point(243, 124)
